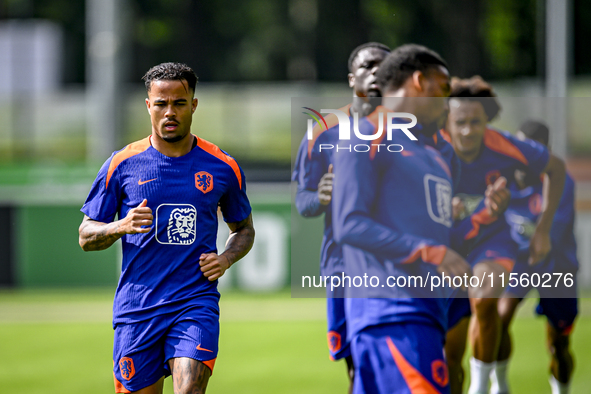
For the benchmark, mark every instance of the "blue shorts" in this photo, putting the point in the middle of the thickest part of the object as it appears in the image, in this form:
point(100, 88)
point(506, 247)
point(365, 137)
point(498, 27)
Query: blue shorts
point(459, 308)
point(338, 346)
point(559, 303)
point(142, 350)
point(499, 247)
point(561, 312)
point(400, 358)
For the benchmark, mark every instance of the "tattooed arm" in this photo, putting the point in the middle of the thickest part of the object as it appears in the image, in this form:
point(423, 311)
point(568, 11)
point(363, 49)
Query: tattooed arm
point(94, 235)
point(239, 244)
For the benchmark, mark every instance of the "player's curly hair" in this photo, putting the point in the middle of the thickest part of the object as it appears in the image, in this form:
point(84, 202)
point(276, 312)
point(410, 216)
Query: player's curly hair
point(476, 89)
point(403, 61)
point(170, 72)
point(361, 47)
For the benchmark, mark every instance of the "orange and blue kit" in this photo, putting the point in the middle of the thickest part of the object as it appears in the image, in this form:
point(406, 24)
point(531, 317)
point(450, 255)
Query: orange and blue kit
point(164, 307)
point(392, 214)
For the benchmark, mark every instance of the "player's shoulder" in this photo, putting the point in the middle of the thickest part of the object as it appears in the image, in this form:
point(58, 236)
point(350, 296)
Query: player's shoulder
point(215, 151)
point(324, 131)
point(506, 144)
point(442, 136)
point(372, 121)
point(442, 142)
point(130, 151)
point(371, 124)
point(494, 137)
point(219, 154)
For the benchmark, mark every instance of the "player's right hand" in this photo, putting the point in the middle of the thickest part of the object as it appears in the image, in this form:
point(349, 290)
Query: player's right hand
point(325, 187)
point(454, 265)
point(138, 217)
point(540, 245)
point(497, 197)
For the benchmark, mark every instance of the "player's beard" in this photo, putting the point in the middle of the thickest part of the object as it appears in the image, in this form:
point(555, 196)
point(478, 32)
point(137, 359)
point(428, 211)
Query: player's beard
point(371, 93)
point(175, 135)
point(173, 139)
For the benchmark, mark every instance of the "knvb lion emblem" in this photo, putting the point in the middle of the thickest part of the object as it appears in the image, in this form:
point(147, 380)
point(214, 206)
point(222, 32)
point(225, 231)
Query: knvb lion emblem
point(176, 224)
point(440, 373)
point(204, 181)
point(127, 368)
point(334, 341)
point(181, 226)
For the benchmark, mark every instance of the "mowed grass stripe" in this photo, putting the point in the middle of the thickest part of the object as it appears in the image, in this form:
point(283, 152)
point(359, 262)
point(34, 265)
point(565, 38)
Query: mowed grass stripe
point(268, 344)
point(71, 307)
point(48, 358)
point(255, 357)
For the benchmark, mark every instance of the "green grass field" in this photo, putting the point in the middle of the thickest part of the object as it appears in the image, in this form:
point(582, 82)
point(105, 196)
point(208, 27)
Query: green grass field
point(60, 342)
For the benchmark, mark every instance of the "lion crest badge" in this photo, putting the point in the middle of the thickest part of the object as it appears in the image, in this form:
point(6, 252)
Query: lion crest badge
point(204, 181)
point(127, 368)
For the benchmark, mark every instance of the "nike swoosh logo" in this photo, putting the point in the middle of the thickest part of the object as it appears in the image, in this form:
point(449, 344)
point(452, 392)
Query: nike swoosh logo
point(204, 349)
point(140, 182)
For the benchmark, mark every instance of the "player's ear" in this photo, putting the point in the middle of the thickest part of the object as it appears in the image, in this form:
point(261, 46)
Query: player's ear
point(194, 105)
point(148, 106)
point(351, 79)
point(418, 80)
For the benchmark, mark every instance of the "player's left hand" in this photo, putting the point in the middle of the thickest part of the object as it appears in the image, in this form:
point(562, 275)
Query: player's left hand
point(497, 197)
point(213, 266)
point(539, 246)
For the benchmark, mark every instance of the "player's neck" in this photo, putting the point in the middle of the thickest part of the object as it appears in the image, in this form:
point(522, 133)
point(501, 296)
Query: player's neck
point(468, 157)
point(173, 149)
point(364, 105)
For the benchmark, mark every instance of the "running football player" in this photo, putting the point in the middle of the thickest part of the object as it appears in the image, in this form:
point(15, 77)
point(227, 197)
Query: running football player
point(393, 214)
point(165, 191)
point(557, 302)
point(486, 155)
point(313, 173)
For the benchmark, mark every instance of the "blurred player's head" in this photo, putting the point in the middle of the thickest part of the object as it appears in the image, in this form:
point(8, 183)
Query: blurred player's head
point(534, 130)
point(416, 71)
point(472, 104)
point(363, 64)
point(170, 101)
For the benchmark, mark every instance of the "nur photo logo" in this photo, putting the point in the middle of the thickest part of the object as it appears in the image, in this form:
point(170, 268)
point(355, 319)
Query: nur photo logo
point(394, 121)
